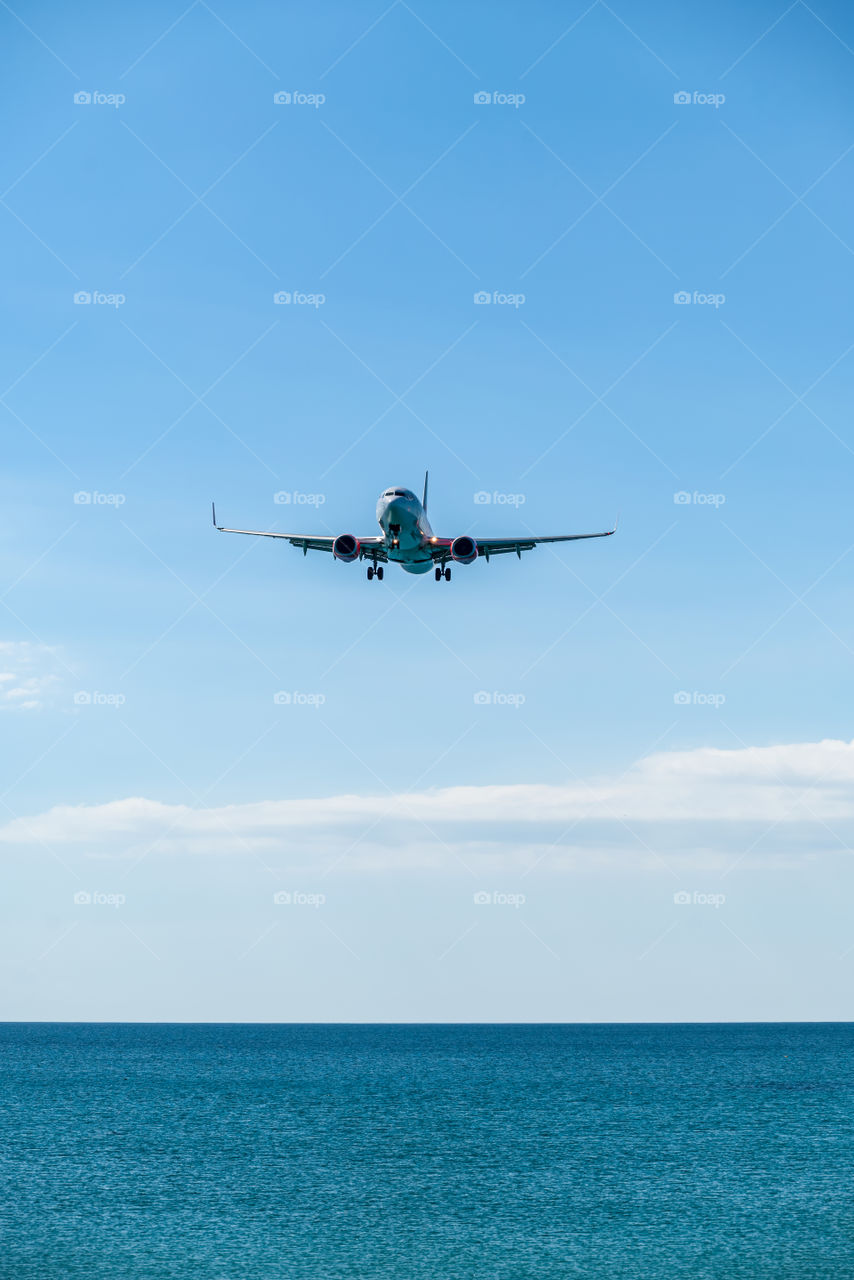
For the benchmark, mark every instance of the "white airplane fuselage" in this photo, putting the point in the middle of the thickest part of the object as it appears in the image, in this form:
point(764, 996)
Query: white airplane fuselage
point(406, 530)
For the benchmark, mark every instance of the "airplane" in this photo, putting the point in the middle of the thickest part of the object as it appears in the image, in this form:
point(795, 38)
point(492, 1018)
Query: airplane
point(407, 539)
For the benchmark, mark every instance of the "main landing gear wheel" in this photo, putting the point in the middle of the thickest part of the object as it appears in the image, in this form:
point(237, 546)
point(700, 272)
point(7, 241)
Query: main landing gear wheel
point(447, 575)
point(370, 572)
point(379, 572)
point(443, 573)
point(438, 575)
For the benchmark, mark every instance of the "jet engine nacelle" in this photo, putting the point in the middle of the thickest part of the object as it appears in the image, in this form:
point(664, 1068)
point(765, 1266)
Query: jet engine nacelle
point(346, 548)
point(464, 549)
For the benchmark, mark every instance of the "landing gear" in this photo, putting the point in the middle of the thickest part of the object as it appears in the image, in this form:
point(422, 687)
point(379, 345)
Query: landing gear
point(442, 573)
point(379, 572)
point(447, 575)
point(375, 570)
point(438, 575)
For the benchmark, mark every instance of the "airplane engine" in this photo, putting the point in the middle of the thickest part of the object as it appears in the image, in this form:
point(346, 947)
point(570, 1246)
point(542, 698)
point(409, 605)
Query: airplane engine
point(464, 549)
point(346, 548)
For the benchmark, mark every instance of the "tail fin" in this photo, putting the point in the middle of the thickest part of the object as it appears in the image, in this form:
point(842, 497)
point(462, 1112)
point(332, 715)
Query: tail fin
point(424, 499)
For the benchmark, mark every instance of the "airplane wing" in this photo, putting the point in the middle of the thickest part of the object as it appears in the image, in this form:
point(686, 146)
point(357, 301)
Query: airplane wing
point(372, 547)
point(487, 547)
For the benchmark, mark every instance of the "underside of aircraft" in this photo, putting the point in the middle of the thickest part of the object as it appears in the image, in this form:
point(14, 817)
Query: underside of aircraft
point(407, 539)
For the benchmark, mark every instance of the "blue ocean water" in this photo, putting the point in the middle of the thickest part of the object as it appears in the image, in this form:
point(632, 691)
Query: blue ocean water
point(235, 1152)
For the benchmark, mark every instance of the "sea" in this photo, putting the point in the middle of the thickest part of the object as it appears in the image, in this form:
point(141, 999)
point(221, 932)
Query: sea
point(396, 1152)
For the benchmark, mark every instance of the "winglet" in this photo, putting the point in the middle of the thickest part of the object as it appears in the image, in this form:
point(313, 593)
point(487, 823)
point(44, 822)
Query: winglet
point(213, 515)
point(424, 499)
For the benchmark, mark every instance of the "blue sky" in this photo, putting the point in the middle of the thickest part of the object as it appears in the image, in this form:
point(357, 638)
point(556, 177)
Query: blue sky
point(662, 695)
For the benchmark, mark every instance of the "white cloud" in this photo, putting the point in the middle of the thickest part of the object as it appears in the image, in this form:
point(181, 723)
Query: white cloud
point(708, 804)
point(29, 676)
